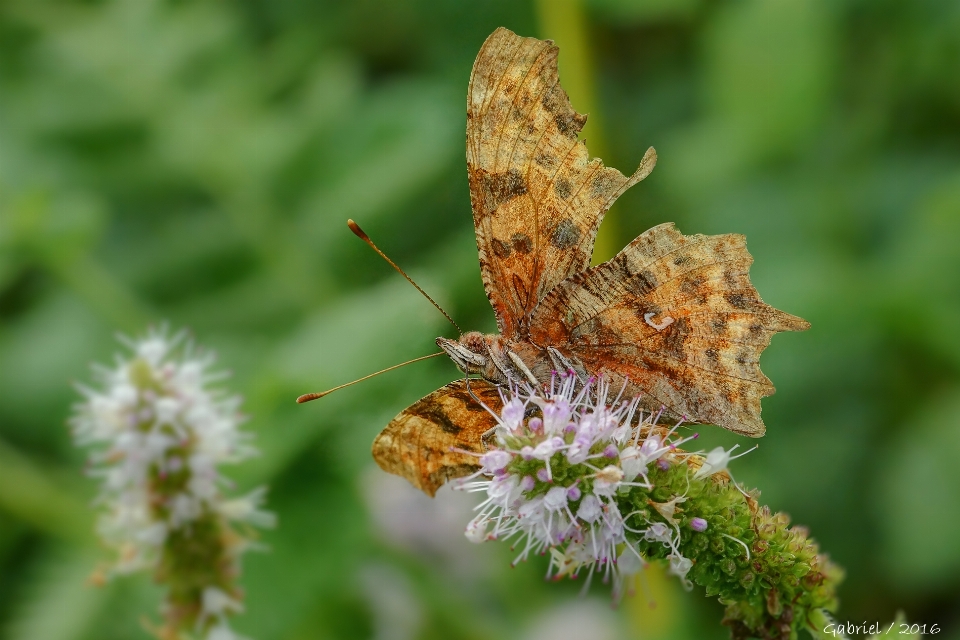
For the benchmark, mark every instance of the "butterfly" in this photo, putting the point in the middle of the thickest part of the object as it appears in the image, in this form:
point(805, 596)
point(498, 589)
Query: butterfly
point(673, 319)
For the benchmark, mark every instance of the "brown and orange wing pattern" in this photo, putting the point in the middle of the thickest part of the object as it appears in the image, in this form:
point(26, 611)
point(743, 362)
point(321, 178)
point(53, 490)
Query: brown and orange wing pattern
point(419, 444)
point(679, 318)
point(537, 197)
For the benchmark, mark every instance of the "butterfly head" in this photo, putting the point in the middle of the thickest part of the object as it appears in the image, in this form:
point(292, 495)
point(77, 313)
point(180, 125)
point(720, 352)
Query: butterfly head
point(470, 353)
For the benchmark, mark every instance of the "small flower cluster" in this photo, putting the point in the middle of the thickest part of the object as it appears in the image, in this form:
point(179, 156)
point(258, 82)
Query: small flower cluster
point(160, 434)
point(602, 487)
point(553, 481)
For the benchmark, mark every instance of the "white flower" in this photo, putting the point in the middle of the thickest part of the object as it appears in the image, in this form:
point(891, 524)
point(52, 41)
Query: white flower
point(476, 531)
point(546, 449)
point(717, 461)
point(556, 414)
point(494, 461)
point(669, 509)
point(556, 499)
point(511, 416)
point(161, 435)
point(658, 532)
point(247, 509)
point(608, 480)
point(531, 510)
point(680, 567)
point(501, 489)
point(590, 509)
point(217, 603)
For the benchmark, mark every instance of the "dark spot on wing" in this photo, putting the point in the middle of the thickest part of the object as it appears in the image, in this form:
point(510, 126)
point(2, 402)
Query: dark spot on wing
point(620, 267)
point(462, 396)
point(433, 412)
point(563, 188)
point(603, 184)
point(642, 283)
point(469, 403)
point(565, 235)
point(739, 301)
point(501, 187)
point(545, 160)
point(711, 354)
point(501, 248)
point(719, 325)
point(521, 243)
point(680, 260)
point(691, 286)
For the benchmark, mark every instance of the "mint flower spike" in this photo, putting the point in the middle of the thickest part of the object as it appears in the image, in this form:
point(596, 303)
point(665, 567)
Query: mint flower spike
point(159, 434)
point(603, 488)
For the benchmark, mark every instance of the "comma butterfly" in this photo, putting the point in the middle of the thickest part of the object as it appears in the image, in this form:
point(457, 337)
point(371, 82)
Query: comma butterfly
point(674, 318)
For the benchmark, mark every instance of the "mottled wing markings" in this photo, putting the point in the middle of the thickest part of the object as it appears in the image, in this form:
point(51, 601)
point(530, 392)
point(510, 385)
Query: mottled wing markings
point(418, 443)
point(537, 197)
point(705, 364)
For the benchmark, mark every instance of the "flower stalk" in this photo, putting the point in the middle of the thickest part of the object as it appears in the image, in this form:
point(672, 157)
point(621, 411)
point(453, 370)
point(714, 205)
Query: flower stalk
point(159, 434)
point(603, 488)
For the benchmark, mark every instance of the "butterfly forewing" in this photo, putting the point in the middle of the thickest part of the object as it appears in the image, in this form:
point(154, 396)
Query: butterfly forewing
point(537, 197)
point(431, 441)
point(678, 317)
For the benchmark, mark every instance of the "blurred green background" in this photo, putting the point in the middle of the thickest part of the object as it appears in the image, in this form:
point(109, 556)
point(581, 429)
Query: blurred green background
point(195, 162)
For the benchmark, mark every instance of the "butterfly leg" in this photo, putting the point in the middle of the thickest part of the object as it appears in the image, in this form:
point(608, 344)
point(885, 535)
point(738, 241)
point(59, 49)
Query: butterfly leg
point(563, 363)
point(466, 382)
point(524, 369)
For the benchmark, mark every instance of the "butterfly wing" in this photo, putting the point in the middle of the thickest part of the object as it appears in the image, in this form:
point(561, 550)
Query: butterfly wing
point(419, 444)
point(537, 197)
point(678, 317)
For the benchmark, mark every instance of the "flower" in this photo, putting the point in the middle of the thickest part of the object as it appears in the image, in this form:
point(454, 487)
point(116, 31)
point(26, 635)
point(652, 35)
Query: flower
point(717, 461)
point(160, 433)
point(552, 482)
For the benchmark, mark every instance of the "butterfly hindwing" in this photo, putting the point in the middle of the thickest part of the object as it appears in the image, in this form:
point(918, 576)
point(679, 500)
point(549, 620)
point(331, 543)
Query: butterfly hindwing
point(537, 197)
point(426, 442)
point(678, 317)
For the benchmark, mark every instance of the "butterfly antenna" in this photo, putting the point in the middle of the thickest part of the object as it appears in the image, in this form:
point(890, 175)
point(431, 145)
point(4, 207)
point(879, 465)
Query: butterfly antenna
point(307, 397)
point(357, 231)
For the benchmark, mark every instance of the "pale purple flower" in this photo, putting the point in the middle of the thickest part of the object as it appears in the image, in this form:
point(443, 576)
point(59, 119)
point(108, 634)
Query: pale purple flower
point(604, 447)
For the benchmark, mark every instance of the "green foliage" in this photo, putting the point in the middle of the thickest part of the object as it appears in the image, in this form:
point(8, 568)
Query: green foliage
point(194, 161)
